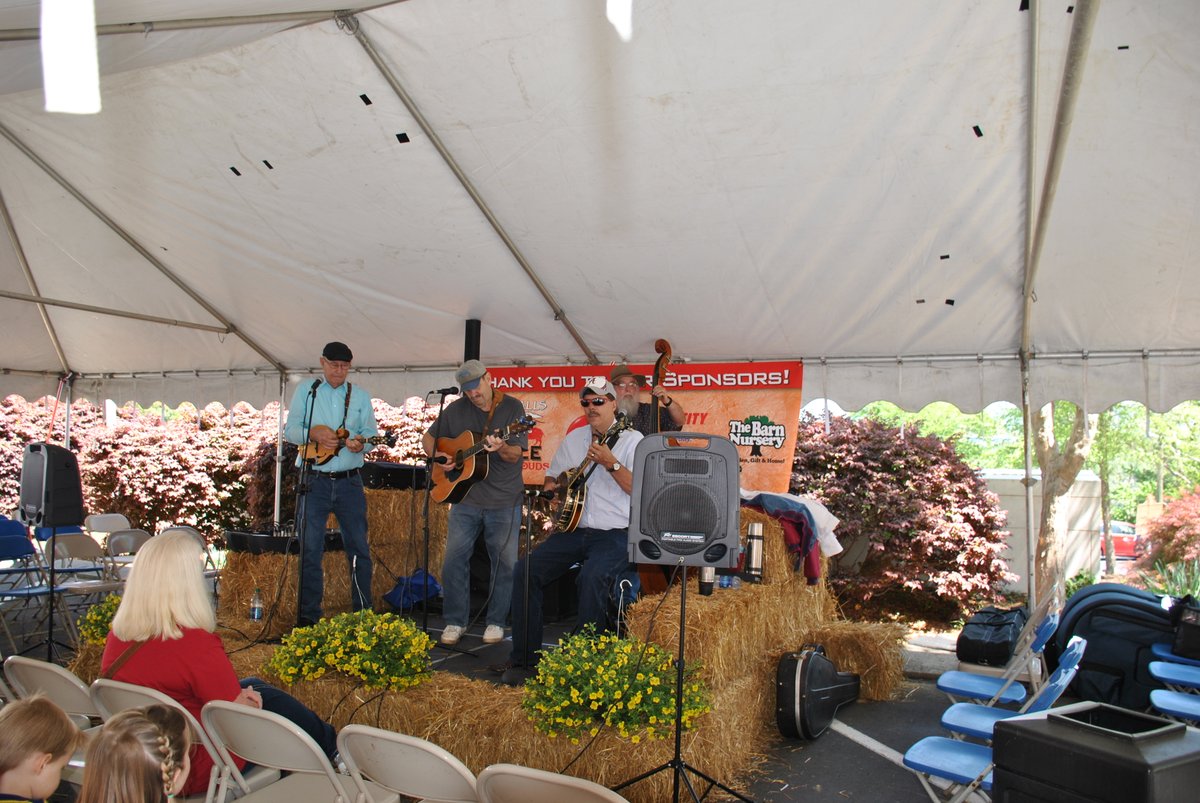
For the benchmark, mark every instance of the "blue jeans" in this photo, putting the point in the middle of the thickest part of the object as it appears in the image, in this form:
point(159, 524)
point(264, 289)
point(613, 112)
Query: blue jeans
point(345, 499)
point(603, 555)
point(500, 529)
point(280, 702)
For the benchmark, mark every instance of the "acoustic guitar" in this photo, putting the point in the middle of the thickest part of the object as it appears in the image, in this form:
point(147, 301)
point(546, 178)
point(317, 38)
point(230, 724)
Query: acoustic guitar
point(571, 490)
point(453, 479)
point(320, 455)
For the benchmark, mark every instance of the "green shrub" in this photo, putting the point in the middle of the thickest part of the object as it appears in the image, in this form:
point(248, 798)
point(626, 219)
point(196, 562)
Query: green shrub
point(1081, 580)
point(1173, 579)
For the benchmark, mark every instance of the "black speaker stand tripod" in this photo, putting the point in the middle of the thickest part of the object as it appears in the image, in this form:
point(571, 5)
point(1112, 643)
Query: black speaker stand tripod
point(676, 764)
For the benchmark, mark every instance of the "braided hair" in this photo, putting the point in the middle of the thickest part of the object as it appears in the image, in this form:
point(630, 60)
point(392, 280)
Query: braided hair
point(135, 757)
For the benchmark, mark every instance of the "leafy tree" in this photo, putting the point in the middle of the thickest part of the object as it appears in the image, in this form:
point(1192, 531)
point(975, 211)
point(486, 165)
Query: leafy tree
point(1175, 535)
point(922, 533)
point(1060, 456)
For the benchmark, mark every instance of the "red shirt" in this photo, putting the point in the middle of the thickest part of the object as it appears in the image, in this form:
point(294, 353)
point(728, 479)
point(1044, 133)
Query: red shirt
point(191, 670)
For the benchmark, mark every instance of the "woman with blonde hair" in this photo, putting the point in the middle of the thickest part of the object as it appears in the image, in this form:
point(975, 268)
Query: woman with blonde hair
point(162, 637)
point(37, 739)
point(139, 756)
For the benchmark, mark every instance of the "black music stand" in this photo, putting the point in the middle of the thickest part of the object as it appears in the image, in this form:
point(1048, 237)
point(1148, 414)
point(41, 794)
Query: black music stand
point(676, 764)
point(52, 599)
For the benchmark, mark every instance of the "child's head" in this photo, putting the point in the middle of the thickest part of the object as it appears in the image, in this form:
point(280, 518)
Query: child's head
point(139, 755)
point(37, 739)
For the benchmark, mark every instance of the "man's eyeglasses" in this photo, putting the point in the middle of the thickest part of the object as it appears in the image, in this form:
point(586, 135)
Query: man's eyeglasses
point(596, 402)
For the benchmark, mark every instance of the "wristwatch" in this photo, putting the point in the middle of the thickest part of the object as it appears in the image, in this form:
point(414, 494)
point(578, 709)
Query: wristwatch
point(615, 468)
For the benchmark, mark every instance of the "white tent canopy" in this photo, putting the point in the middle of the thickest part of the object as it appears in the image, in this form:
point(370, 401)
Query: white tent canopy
point(863, 185)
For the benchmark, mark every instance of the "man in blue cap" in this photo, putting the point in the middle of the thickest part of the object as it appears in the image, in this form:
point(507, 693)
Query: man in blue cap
point(318, 412)
point(491, 506)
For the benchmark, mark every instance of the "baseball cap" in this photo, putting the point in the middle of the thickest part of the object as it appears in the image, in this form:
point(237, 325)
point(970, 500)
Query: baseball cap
point(598, 385)
point(469, 374)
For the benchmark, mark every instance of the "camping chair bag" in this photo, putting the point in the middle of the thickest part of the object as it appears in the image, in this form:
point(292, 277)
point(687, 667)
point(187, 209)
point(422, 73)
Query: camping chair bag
point(808, 692)
point(990, 636)
point(1120, 623)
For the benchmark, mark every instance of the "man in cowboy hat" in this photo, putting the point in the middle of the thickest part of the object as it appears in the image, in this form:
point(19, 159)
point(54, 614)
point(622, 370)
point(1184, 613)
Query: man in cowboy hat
point(628, 386)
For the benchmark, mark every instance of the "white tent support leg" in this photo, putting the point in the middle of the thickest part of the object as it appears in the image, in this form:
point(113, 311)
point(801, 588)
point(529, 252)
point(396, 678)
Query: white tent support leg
point(279, 454)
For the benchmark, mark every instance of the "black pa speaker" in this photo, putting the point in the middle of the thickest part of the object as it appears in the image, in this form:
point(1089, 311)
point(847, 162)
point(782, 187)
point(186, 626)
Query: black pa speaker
point(51, 493)
point(684, 507)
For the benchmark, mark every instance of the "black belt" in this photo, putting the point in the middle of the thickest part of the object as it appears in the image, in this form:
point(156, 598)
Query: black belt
point(339, 475)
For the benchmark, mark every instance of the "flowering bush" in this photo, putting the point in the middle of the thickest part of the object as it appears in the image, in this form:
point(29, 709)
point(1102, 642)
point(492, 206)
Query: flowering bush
point(97, 621)
point(381, 649)
point(592, 680)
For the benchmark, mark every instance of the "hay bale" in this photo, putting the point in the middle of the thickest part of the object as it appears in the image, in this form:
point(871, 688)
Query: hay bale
point(396, 536)
point(86, 661)
point(872, 650)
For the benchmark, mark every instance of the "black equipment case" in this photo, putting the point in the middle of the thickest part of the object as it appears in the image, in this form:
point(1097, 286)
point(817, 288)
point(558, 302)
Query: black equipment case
point(808, 692)
point(990, 636)
point(1120, 623)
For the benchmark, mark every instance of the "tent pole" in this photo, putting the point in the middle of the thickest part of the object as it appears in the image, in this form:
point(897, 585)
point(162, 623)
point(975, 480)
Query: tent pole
point(349, 23)
point(279, 454)
point(150, 26)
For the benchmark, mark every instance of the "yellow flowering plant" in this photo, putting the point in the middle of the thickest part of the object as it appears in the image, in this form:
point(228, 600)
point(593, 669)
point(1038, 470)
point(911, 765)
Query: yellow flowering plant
point(383, 650)
point(593, 680)
point(97, 620)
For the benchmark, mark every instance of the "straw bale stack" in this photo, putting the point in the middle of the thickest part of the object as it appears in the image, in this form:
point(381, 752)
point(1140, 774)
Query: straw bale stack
point(395, 524)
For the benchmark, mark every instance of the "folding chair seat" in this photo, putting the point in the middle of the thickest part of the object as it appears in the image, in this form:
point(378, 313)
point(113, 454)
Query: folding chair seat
point(1162, 652)
point(510, 783)
point(978, 721)
point(964, 767)
point(269, 740)
point(1177, 705)
point(960, 685)
point(404, 764)
point(1176, 677)
point(225, 780)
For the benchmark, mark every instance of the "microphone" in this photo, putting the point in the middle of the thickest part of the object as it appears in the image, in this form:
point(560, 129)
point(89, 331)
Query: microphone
point(316, 384)
point(450, 391)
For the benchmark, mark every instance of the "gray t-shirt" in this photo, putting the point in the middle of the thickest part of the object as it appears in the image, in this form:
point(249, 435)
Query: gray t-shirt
point(503, 484)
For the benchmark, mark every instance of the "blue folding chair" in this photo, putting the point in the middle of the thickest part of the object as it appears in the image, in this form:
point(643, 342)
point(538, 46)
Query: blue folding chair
point(22, 581)
point(964, 767)
point(978, 721)
point(960, 685)
point(1162, 652)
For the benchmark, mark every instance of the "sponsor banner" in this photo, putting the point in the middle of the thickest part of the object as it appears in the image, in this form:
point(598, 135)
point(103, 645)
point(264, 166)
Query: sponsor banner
point(755, 405)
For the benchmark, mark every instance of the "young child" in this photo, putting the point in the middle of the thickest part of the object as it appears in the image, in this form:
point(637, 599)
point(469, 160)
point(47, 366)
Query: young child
point(139, 756)
point(37, 739)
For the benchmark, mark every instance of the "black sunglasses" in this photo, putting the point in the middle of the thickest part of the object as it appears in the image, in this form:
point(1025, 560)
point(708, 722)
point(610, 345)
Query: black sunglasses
point(596, 402)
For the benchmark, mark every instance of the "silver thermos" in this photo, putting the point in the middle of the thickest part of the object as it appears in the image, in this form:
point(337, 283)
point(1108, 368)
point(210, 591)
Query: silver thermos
point(753, 568)
point(708, 576)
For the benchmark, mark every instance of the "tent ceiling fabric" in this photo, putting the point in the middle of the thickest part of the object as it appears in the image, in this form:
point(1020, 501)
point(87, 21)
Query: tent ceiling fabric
point(844, 183)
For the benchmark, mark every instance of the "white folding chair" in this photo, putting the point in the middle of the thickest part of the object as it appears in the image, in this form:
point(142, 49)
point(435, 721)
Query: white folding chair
point(100, 525)
point(270, 740)
point(225, 780)
point(122, 547)
point(510, 783)
point(27, 676)
point(404, 764)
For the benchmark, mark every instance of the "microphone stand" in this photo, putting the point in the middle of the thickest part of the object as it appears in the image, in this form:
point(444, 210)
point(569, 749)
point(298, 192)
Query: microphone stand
point(302, 489)
point(428, 489)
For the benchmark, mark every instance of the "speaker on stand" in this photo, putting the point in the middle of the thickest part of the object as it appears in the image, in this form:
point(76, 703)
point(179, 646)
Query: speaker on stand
point(684, 511)
point(51, 496)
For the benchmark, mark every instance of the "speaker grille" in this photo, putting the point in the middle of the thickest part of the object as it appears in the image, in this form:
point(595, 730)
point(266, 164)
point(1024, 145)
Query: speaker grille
point(683, 518)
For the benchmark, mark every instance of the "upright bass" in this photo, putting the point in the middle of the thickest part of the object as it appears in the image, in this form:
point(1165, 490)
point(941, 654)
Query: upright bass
point(654, 577)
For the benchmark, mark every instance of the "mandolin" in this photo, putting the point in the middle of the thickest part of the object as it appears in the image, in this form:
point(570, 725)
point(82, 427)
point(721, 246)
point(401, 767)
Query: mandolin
point(452, 480)
point(571, 490)
point(320, 455)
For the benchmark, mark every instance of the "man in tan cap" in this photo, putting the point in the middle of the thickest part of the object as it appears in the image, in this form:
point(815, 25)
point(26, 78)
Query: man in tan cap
point(628, 386)
point(491, 506)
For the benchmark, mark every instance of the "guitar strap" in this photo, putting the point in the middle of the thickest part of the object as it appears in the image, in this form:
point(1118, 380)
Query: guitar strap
point(346, 409)
point(497, 397)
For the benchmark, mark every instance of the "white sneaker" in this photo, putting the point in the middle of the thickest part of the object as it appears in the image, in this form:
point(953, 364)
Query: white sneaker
point(493, 634)
point(451, 634)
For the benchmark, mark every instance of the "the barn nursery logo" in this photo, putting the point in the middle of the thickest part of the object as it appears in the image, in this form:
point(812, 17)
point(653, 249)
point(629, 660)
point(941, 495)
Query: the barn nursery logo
point(757, 431)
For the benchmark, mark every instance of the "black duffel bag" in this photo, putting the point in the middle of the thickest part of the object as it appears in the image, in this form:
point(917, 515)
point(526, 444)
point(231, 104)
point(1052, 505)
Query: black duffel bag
point(1185, 615)
point(990, 635)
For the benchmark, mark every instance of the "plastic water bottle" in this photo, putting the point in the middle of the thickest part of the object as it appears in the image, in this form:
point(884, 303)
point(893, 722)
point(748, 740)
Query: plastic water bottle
point(256, 607)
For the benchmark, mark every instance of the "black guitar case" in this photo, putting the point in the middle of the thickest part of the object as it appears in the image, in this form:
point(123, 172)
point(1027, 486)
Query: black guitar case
point(808, 692)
